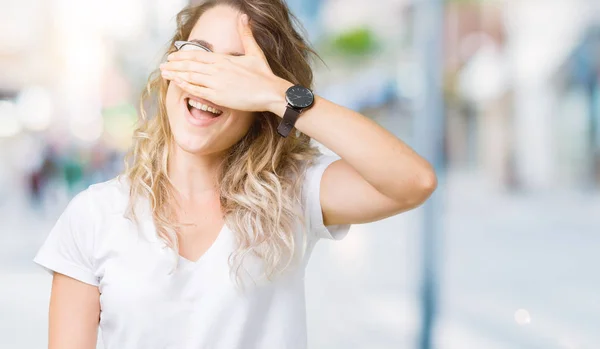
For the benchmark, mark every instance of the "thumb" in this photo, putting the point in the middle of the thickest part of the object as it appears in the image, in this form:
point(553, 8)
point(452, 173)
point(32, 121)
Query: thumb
point(251, 47)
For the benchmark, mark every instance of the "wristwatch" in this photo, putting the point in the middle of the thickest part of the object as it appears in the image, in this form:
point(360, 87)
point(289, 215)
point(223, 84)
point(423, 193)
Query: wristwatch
point(298, 99)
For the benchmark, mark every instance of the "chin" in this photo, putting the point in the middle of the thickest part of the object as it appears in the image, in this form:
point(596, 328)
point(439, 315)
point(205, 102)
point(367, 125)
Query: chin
point(196, 140)
point(193, 143)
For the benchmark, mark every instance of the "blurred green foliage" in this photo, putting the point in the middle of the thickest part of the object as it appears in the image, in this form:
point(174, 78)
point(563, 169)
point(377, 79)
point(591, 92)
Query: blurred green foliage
point(356, 42)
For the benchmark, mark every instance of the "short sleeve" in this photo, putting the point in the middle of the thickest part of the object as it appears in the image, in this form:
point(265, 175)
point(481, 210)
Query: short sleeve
point(311, 190)
point(68, 249)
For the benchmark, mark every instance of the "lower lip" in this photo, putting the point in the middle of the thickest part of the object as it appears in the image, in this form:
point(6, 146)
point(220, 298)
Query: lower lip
point(201, 122)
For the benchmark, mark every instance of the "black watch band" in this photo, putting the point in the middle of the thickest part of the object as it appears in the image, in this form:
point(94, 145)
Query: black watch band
point(289, 120)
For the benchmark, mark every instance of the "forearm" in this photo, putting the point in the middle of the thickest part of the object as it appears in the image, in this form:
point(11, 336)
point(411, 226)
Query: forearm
point(383, 160)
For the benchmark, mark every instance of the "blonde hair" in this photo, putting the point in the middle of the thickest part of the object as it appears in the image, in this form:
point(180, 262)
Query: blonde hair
point(260, 176)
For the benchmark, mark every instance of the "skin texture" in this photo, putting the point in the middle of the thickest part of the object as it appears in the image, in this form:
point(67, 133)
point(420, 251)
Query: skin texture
point(386, 176)
point(74, 314)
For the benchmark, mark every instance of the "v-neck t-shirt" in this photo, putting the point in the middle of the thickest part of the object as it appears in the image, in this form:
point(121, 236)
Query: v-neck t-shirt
point(146, 302)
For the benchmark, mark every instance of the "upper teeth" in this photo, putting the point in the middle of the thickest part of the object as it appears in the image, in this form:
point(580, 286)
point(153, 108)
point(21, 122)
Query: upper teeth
point(204, 107)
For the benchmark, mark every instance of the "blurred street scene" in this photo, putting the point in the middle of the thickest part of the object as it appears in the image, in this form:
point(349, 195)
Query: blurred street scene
point(518, 207)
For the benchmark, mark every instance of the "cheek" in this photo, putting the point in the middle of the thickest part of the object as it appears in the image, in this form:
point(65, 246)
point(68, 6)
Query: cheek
point(242, 122)
point(171, 99)
point(237, 127)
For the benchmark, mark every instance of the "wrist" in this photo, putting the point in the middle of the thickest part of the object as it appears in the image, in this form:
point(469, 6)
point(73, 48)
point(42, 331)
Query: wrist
point(277, 102)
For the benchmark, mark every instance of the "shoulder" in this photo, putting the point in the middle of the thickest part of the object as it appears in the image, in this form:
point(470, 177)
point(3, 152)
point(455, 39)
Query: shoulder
point(314, 168)
point(106, 197)
point(313, 210)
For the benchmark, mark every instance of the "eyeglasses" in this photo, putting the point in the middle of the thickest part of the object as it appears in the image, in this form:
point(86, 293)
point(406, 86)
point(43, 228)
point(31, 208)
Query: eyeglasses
point(190, 46)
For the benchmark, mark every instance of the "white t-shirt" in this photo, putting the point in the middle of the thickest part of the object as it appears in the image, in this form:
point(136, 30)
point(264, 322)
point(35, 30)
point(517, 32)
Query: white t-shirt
point(144, 306)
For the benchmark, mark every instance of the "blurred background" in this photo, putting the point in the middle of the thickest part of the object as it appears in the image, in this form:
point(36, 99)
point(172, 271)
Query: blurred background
point(503, 96)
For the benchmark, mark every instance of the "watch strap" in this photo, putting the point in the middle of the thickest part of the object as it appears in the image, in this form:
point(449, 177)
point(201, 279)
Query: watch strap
point(289, 120)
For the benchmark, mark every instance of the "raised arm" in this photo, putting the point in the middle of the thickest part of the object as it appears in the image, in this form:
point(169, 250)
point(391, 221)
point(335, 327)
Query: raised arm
point(378, 175)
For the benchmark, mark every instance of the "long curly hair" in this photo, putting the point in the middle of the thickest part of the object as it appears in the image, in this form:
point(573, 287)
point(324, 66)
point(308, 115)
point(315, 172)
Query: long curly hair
point(259, 179)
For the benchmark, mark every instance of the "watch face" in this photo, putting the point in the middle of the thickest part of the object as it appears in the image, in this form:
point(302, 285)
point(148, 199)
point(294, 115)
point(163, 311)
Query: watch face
point(299, 96)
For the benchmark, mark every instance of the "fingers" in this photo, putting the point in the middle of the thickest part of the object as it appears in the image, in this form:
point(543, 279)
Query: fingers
point(199, 56)
point(192, 72)
point(251, 47)
point(195, 90)
point(189, 66)
point(190, 77)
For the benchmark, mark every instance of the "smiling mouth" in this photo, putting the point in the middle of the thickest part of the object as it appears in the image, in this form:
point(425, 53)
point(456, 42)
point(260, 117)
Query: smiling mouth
point(201, 111)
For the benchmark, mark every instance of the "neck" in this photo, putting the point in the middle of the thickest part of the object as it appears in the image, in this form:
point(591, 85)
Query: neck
point(194, 176)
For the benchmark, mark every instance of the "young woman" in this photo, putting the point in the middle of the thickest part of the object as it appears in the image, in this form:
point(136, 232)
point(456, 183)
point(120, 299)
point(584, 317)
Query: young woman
point(203, 241)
